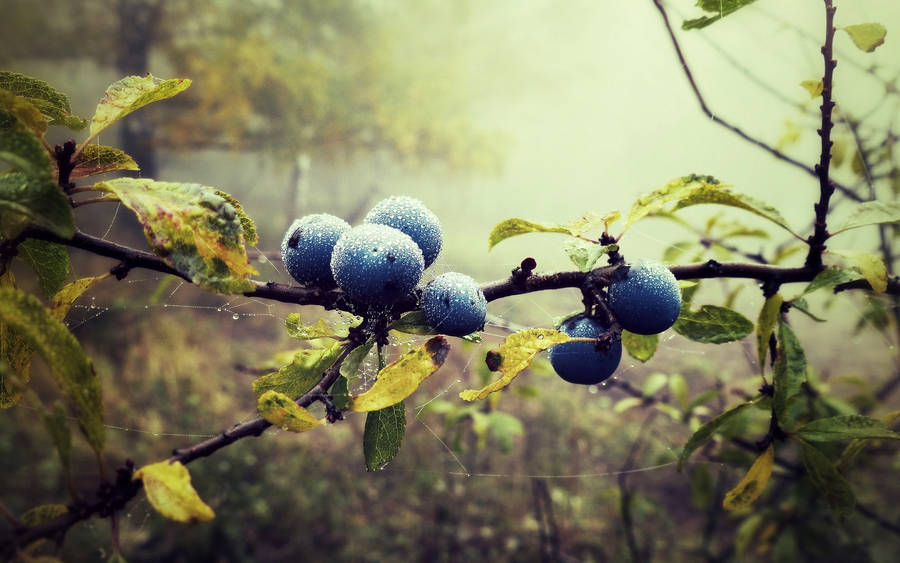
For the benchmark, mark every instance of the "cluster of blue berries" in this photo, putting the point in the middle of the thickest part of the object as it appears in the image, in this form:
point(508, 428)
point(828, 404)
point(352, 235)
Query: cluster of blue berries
point(645, 299)
point(382, 260)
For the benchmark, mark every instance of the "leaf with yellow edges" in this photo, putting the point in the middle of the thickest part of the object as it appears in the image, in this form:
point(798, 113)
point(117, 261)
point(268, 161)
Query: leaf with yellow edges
point(515, 354)
point(169, 490)
point(399, 379)
point(284, 413)
point(753, 484)
point(130, 94)
point(63, 299)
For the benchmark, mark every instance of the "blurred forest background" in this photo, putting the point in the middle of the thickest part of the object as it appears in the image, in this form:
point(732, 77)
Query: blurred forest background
point(484, 110)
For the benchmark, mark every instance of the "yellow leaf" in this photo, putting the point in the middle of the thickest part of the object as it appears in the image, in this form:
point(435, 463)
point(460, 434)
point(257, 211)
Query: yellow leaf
point(753, 484)
point(866, 36)
point(399, 379)
point(765, 324)
point(64, 298)
point(516, 354)
point(284, 413)
point(870, 266)
point(814, 87)
point(169, 490)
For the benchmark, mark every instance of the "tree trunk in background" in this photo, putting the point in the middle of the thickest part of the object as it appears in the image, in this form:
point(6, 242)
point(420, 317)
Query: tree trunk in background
point(138, 21)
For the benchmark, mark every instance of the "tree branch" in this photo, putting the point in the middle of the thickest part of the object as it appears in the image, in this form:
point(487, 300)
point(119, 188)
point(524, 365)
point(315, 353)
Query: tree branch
point(826, 187)
point(736, 130)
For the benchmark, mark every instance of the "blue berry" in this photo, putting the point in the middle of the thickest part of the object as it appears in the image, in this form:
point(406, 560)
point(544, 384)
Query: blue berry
point(412, 217)
point(454, 304)
point(376, 264)
point(646, 299)
point(307, 246)
point(582, 362)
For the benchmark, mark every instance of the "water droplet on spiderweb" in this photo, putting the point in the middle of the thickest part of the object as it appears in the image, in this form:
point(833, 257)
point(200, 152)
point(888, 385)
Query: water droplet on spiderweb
point(235, 316)
point(592, 389)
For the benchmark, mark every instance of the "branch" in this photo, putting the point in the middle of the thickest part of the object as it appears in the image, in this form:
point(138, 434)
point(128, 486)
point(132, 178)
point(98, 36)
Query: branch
point(739, 132)
point(826, 187)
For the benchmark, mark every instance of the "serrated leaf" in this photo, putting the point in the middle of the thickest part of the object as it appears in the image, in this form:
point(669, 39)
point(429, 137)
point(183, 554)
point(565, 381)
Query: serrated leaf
point(51, 102)
point(846, 427)
point(43, 514)
point(830, 483)
point(753, 484)
point(869, 265)
point(706, 431)
point(721, 8)
point(712, 324)
point(250, 235)
point(515, 226)
point(97, 159)
point(284, 413)
point(296, 328)
point(871, 213)
point(70, 368)
point(866, 36)
point(169, 490)
point(192, 228)
point(383, 435)
point(655, 201)
point(302, 374)
point(814, 87)
point(516, 354)
point(22, 109)
point(789, 371)
point(24, 199)
point(68, 294)
point(765, 325)
point(585, 254)
point(354, 359)
point(130, 94)
point(719, 194)
point(21, 148)
point(654, 383)
point(50, 262)
point(401, 378)
point(828, 278)
point(639, 346)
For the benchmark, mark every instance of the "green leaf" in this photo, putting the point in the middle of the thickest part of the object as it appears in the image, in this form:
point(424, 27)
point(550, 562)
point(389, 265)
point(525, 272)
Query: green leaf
point(15, 357)
point(866, 36)
point(869, 265)
point(250, 235)
point(721, 8)
point(640, 347)
point(514, 355)
point(340, 393)
point(753, 484)
point(828, 278)
point(814, 87)
point(48, 100)
point(765, 325)
point(789, 371)
point(846, 427)
point(654, 383)
point(830, 483)
point(414, 323)
point(50, 261)
point(302, 374)
point(284, 413)
point(871, 213)
point(57, 424)
point(585, 254)
point(801, 305)
point(169, 490)
point(195, 230)
point(65, 297)
point(354, 359)
point(71, 370)
point(23, 110)
point(296, 328)
point(626, 403)
point(24, 200)
point(719, 194)
point(515, 226)
point(706, 431)
point(402, 377)
point(132, 93)
point(655, 201)
point(712, 324)
point(679, 389)
point(97, 159)
point(505, 427)
point(22, 148)
point(855, 447)
point(383, 435)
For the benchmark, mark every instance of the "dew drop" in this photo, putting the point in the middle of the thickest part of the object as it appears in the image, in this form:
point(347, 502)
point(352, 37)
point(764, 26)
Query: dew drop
point(235, 316)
